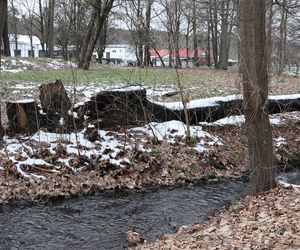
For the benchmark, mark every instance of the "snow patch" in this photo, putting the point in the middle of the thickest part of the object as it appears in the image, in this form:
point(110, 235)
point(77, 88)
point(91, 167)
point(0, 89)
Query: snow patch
point(284, 97)
point(11, 70)
point(200, 103)
point(289, 179)
point(175, 131)
point(240, 119)
point(213, 101)
point(279, 141)
point(22, 151)
point(25, 101)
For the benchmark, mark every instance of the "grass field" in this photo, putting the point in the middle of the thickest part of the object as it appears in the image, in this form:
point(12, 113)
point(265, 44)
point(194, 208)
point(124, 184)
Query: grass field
point(198, 83)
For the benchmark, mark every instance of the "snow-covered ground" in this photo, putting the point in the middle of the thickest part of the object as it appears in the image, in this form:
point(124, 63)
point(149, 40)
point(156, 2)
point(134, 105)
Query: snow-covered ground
point(116, 148)
point(238, 120)
point(21, 65)
point(110, 146)
point(176, 131)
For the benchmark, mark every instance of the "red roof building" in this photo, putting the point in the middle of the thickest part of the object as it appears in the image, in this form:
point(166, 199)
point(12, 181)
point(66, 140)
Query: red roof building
point(186, 56)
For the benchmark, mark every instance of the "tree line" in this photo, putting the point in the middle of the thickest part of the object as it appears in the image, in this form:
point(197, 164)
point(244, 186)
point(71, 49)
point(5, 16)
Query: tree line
point(88, 25)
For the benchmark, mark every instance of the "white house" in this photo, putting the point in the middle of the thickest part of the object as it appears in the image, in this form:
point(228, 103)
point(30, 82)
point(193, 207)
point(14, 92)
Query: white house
point(122, 54)
point(24, 46)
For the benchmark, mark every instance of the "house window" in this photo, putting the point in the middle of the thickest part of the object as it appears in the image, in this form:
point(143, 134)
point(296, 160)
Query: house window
point(42, 53)
point(31, 53)
point(17, 52)
point(113, 51)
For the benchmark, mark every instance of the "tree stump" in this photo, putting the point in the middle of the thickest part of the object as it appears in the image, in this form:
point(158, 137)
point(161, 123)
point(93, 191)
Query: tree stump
point(23, 116)
point(55, 103)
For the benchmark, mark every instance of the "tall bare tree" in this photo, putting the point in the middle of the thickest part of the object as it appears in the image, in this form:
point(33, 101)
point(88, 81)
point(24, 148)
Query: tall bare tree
point(14, 24)
point(283, 38)
point(100, 12)
point(3, 22)
point(49, 14)
point(148, 45)
point(213, 11)
point(4, 40)
point(270, 17)
point(195, 35)
point(255, 92)
point(174, 11)
point(28, 21)
point(41, 26)
point(137, 14)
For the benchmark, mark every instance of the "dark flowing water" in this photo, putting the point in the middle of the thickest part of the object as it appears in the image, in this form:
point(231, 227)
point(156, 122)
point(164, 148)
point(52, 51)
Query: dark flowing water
point(101, 221)
point(292, 177)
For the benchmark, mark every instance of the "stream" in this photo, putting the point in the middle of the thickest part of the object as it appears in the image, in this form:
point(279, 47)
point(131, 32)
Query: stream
point(101, 221)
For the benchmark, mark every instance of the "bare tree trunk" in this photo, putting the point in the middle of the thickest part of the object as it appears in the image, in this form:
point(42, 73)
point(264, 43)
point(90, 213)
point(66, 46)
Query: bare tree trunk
point(170, 44)
point(282, 41)
point(269, 34)
point(3, 28)
point(87, 38)
point(50, 28)
point(160, 58)
point(195, 37)
point(177, 13)
point(255, 92)
point(31, 45)
point(14, 26)
point(102, 40)
point(3, 12)
point(6, 39)
point(187, 50)
point(98, 19)
point(224, 41)
point(214, 31)
point(140, 34)
point(147, 60)
point(42, 27)
point(177, 56)
point(208, 55)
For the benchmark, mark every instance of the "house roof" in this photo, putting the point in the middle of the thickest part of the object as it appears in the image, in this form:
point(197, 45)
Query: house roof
point(183, 53)
point(24, 39)
point(159, 52)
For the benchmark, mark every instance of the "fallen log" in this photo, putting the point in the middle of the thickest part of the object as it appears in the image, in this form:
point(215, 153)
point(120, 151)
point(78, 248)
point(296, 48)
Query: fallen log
point(23, 116)
point(129, 106)
point(281, 104)
point(212, 109)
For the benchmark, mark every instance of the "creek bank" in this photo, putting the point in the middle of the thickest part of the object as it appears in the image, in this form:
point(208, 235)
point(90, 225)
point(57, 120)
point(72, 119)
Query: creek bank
point(155, 167)
point(266, 221)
